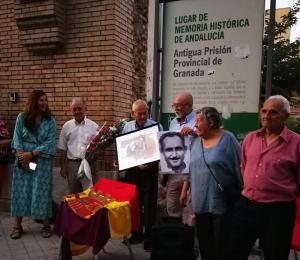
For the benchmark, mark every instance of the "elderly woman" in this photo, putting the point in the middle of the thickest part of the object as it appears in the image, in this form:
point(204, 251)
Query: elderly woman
point(34, 145)
point(214, 175)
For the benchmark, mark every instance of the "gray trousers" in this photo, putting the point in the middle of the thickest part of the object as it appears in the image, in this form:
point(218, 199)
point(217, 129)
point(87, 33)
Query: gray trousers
point(75, 185)
point(174, 209)
point(174, 186)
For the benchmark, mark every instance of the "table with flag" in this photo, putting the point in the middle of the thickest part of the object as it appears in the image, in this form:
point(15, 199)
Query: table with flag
point(110, 209)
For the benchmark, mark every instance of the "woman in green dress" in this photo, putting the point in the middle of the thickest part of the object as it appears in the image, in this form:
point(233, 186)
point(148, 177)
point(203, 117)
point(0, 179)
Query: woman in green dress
point(34, 145)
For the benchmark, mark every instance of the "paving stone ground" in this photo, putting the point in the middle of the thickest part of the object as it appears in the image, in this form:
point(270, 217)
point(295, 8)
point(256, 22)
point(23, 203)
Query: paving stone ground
point(33, 247)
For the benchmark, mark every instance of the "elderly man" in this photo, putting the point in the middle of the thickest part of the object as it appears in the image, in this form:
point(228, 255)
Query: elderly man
point(145, 177)
point(73, 140)
point(184, 123)
point(271, 171)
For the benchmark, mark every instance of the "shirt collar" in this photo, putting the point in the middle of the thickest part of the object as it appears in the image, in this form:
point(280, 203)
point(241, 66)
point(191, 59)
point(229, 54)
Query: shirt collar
point(137, 126)
point(81, 123)
point(187, 118)
point(284, 135)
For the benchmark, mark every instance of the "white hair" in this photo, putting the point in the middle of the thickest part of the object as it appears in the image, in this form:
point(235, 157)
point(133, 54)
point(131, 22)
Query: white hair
point(139, 102)
point(77, 99)
point(285, 102)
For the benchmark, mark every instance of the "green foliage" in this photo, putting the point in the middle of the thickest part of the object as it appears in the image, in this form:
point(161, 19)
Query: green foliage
point(293, 124)
point(286, 57)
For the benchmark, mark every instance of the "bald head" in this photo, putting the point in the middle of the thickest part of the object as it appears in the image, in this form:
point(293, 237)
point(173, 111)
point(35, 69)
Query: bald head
point(183, 105)
point(186, 97)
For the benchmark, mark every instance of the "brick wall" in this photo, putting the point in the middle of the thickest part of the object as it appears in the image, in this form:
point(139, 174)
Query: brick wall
point(89, 48)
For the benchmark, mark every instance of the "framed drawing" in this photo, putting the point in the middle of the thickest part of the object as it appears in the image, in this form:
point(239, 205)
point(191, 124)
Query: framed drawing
point(138, 147)
point(174, 152)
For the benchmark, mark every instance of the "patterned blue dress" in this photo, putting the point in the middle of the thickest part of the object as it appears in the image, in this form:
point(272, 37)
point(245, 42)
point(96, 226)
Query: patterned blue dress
point(32, 190)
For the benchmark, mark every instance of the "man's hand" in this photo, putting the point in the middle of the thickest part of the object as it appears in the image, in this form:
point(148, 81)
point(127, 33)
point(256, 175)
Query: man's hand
point(63, 172)
point(115, 164)
point(62, 155)
point(183, 198)
point(187, 131)
point(143, 167)
point(183, 194)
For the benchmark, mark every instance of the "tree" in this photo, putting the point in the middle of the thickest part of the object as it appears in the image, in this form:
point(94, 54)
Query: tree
point(293, 124)
point(286, 56)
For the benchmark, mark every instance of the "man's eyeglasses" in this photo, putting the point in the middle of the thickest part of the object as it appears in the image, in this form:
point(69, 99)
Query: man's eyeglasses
point(179, 105)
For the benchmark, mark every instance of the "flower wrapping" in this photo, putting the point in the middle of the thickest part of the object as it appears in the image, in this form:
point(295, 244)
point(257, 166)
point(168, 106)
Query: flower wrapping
point(104, 138)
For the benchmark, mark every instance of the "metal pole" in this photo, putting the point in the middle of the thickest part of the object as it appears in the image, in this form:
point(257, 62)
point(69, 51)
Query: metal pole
point(156, 63)
point(270, 49)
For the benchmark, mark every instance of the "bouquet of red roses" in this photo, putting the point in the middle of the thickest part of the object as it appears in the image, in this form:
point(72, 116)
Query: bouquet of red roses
point(104, 138)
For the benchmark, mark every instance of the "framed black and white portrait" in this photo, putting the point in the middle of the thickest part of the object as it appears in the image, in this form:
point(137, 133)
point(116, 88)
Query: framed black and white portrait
point(138, 147)
point(174, 152)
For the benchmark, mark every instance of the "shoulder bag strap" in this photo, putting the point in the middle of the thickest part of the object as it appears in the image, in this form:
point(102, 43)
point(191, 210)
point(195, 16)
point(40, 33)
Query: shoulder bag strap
point(210, 170)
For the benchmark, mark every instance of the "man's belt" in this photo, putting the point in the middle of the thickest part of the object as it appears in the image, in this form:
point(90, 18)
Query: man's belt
point(74, 160)
point(256, 203)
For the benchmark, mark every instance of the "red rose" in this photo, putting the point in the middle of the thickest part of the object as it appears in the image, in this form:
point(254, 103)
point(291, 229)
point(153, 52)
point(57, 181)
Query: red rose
point(90, 147)
point(95, 139)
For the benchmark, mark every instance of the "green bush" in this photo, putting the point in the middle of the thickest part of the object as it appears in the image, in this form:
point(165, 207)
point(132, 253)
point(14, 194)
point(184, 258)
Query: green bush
point(293, 124)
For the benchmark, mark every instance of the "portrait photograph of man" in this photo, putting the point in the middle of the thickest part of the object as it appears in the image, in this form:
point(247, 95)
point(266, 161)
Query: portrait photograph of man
point(174, 153)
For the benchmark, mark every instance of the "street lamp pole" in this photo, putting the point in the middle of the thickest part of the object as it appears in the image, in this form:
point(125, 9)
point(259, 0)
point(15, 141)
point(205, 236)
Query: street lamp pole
point(271, 34)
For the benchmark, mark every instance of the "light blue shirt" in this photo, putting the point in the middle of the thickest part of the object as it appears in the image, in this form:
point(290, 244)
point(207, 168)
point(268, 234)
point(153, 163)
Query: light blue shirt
point(132, 125)
point(189, 121)
point(224, 161)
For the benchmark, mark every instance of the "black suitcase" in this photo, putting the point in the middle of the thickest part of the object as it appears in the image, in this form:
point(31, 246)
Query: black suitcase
point(172, 240)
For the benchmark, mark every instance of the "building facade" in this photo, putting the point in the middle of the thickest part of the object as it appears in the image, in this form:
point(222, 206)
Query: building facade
point(95, 49)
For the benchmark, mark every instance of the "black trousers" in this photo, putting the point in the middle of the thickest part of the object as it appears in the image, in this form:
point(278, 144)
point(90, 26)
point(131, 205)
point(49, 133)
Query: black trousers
point(147, 184)
point(272, 223)
point(212, 232)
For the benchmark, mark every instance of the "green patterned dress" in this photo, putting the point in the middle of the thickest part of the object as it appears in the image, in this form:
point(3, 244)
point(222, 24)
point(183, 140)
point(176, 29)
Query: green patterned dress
point(32, 190)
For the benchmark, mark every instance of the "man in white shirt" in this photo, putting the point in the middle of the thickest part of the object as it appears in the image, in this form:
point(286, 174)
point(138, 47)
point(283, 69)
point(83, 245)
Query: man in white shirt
point(73, 140)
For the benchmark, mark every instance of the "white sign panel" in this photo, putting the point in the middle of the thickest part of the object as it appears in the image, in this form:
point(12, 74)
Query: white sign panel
point(213, 49)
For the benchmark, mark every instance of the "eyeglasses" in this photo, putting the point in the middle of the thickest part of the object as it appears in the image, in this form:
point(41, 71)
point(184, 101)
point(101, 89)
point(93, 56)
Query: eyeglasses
point(179, 105)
